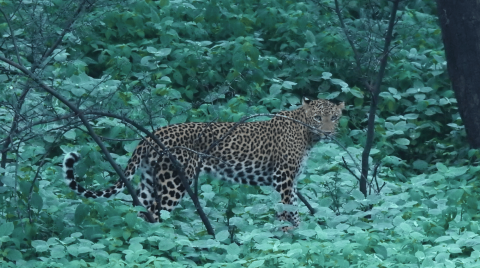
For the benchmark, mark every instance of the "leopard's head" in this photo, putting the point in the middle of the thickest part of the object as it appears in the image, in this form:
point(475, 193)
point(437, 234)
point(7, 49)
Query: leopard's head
point(323, 115)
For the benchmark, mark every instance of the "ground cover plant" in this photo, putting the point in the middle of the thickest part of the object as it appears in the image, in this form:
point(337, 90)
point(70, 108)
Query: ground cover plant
point(166, 62)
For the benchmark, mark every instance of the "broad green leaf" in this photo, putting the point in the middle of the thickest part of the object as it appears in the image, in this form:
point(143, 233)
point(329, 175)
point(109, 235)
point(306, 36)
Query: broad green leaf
point(444, 101)
point(357, 93)
point(426, 89)
point(293, 99)
point(6, 229)
point(40, 245)
point(81, 213)
point(275, 89)
point(402, 141)
point(441, 167)
point(454, 172)
point(357, 195)
point(177, 76)
point(233, 249)
point(402, 125)
point(455, 195)
point(255, 264)
point(205, 243)
point(307, 233)
point(78, 91)
point(427, 262)
point(411, 116)
point(222, 235)
point(37, 201)
point(159, 53)
point(60, 56)
point(351, 205)
point(14, 255)
point(164, 215)
point(252, 52)
point(389, 126)
point(385, 95)
point(76, 235)
point(71, 135)
point(48, 138)
point(405, 227)
point(239, 61)
point(310, 37)
point(146, 60)
point(204, 43)
point(326, 75)
point(206, 188)
point(164, 3)
point(442, 256)
point(130, 146)
point(393, 90)
point(57, 252)
point(332, 95)
point(454, 248)
point(126, 67)
point(443, 239)
point(84, 249)
point(182, 118)
point(436, 177)
point(165, 80)
point(166, 245)
point(339, 82)
point(131, 219)
point(288, 84)
point(381, 250)
point(259, 209)
point(73, 250)
point(420, 165)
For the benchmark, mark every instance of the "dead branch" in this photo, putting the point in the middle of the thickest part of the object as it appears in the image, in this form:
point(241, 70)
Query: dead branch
point(87, 125)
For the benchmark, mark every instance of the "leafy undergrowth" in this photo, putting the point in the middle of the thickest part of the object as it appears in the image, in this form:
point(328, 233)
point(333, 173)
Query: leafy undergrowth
point(166, 62)
point(430, 221)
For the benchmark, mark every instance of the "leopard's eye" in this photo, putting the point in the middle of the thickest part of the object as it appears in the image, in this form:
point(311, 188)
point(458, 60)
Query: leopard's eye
point(317, 118)
point(334, 117)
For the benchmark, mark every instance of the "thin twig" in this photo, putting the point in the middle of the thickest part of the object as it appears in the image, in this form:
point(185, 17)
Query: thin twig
point(351, 172)
point(373, 104)
point(12, 34)
point(43, 161)
point(304, 200)
point(86, 123)
point(177, 165)
point(65, 30)
point(352, 45)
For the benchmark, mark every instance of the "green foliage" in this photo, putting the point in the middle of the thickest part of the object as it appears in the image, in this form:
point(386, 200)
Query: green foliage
point(166, 62)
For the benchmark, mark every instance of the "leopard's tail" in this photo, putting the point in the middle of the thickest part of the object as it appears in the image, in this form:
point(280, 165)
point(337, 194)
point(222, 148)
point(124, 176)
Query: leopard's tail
point(70, 179)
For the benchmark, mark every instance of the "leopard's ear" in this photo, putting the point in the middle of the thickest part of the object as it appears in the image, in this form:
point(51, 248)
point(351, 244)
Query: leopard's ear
point(341, 106)
point(306, 100)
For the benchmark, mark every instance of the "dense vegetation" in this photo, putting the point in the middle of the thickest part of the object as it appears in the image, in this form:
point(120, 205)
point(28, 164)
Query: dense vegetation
point(166, 62)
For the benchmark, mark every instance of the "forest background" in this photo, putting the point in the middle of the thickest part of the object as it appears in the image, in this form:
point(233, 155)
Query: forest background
point(166, 62)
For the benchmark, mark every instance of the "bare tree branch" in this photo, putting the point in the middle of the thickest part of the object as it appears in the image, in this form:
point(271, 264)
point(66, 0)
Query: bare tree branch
point(351, 172)
point(89, 128)
point(347, 35)
point(12, 34)
point(178, 167)
point(373, 104)
point(21, 99)
point(304, 200)
point(65, 30)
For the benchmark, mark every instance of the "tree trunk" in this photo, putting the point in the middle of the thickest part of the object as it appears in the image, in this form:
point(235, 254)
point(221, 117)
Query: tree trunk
point(460, 23)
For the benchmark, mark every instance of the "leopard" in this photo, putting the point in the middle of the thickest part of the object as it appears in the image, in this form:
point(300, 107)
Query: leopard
point(260, 153)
